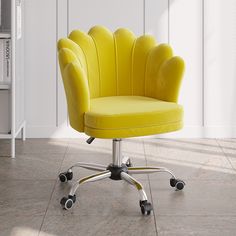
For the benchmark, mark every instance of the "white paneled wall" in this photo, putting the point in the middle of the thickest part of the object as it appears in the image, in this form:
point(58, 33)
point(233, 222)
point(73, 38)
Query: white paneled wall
point(111, 13)
point(207, 95)
point(156, 15)
point(220, 67)
point(185, 35)
point(40, 65)
point(62, 31)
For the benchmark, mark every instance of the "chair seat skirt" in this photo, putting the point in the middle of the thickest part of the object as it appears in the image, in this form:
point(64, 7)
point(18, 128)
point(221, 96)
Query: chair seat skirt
point(131, 116)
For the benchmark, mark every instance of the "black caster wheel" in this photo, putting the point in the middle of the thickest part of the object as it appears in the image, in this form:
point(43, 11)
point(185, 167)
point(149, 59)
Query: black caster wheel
point(146, 207)
point(67, 202)
point(177, 183)
point(129, 163)
point(66, 176)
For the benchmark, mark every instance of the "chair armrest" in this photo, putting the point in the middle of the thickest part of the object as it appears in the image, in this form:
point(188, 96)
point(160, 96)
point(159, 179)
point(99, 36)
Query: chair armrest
point(76, 88)
point(169, 79)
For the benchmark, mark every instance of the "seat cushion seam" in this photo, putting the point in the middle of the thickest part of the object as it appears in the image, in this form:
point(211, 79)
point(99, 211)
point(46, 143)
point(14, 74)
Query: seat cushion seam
point(146, 126)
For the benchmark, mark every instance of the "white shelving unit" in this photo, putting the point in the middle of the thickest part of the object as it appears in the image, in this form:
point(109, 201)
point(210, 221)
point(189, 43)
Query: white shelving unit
point(4, 86)
point(12, 115)
point(5, 35)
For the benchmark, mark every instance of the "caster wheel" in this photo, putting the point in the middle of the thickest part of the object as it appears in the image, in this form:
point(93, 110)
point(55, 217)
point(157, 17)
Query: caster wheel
point(177, 183)
point(128, 163)
point(66, 176)
point(67, 202)
point(146, 207)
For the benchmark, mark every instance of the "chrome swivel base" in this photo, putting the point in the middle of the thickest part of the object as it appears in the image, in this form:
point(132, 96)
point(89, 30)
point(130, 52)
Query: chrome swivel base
point(120, 169)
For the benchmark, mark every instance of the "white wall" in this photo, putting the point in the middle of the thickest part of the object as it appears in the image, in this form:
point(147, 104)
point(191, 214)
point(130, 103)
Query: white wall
point(40, 66)
point(220, 67)
point(207, 95)
point(185, 35)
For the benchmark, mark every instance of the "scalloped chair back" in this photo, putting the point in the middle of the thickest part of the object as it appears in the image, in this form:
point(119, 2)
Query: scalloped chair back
point(115, 64)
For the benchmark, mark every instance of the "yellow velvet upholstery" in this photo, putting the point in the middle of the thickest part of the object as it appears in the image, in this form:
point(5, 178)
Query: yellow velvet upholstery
point(118, 85)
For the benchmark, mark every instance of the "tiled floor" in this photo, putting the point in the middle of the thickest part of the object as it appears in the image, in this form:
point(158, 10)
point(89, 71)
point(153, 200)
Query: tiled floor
point(30, 192)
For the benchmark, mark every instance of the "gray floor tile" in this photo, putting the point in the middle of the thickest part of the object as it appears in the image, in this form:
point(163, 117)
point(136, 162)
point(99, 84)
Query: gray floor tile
point(192, 145)
point(194, 159)
point(183, 149)
point(20, 226)
point(23, 207)
point(31, 166)
point(228, 145)
point(99, 226)
point(205, 207)
point(133, 147)
point(216, 169)
point(196, 225)
point(106, 197)
point(130, 147)
point(77, 146)
point(25, 198)
point(199, 197)
point(46, 146)
point(34, 146)
point(229, 148)
point(90, 157)
point(5, 148)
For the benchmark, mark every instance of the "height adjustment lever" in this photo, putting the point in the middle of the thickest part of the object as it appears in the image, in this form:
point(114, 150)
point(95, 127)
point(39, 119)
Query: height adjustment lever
point(90, 140)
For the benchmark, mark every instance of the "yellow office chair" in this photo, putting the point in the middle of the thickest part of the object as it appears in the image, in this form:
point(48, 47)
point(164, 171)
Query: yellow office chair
point(119, 86)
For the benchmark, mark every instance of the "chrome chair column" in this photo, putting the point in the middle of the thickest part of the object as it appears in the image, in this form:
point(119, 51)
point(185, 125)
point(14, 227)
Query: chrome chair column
point(116, 152)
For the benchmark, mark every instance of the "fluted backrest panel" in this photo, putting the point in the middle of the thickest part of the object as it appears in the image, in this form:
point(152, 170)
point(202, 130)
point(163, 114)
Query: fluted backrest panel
point(106, 56)
point(72, 52)
point(124, 42)
point(87, 45)
point(141, 49)
point(116, 63)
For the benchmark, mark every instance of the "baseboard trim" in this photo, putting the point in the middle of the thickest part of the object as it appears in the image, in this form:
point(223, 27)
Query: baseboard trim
point(186, 132)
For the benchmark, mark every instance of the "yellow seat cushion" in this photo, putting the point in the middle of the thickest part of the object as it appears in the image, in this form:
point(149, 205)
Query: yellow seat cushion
point(130, 116)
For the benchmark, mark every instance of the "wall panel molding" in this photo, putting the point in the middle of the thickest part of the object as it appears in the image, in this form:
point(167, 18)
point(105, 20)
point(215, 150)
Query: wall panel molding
point(186, 39)
point(40, 63)
point(111, 13)
point(220, 63)
point(62, 31)
point(156, 19)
